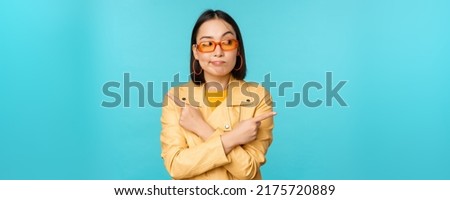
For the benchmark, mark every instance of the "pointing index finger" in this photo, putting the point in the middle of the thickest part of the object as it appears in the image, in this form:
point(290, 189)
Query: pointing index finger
point(264, 116)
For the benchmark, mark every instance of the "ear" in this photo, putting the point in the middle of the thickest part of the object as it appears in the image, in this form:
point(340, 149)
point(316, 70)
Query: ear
point(194, 51)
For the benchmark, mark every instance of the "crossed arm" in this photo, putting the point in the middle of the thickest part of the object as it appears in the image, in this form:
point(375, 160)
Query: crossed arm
point(240, 151)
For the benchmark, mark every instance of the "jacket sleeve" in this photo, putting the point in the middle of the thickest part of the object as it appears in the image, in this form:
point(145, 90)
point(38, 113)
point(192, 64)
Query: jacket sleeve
point(247, 159)
point(181, 160)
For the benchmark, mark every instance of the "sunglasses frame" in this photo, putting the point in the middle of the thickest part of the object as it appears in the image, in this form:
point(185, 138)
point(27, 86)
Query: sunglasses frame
point(217, 44)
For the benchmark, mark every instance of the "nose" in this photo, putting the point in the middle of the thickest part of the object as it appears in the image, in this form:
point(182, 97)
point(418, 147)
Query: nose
point(218, 52)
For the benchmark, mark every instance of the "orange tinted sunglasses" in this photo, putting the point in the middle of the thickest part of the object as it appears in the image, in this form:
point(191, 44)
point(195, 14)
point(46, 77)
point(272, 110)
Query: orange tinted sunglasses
point(210, 46)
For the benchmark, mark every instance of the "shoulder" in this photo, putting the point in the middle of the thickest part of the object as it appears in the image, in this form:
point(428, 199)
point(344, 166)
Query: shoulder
point(184, 88)
point(255, 88)
point(249, 93)
point(189, 92)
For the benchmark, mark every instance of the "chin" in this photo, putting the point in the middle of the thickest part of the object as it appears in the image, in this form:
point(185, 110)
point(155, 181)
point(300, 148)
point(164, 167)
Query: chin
point(219, 73)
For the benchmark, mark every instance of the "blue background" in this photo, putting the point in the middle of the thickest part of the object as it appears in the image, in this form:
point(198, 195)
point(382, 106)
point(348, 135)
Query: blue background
point(56, 55)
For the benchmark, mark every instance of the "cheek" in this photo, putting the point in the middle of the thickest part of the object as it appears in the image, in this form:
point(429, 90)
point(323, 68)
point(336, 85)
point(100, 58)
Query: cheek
point(231, 58)
point(203, 59)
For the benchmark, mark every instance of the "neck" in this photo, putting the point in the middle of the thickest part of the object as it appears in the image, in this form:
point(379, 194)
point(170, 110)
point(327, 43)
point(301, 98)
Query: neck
point(214, 84)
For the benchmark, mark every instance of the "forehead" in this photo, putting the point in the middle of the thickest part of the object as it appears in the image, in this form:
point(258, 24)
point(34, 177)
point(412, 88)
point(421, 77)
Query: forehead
point(214, 28)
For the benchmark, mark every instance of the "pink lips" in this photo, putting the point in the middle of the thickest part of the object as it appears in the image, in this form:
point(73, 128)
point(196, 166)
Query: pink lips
point(217, 62)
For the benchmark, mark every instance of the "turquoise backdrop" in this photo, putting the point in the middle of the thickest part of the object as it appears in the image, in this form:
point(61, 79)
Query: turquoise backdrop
point(55, 57)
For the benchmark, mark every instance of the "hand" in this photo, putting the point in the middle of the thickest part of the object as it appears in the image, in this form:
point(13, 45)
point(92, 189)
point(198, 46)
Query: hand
point(191, 119)
point(245, 132)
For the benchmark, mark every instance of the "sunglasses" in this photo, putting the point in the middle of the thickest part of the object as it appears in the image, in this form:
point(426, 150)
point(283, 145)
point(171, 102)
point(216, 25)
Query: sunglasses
point(210, 46)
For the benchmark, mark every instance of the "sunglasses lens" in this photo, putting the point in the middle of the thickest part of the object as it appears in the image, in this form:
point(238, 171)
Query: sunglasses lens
point(206, 46)
point(228, 45)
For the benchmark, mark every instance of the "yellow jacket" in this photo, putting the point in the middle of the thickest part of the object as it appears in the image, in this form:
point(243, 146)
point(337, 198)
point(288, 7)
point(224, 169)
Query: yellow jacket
point(187, 156)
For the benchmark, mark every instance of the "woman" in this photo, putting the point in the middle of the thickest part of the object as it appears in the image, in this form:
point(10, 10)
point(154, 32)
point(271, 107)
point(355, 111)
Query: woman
point(217, 126)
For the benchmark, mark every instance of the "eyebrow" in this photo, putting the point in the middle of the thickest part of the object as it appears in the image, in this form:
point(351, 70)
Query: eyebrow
point(210, 37)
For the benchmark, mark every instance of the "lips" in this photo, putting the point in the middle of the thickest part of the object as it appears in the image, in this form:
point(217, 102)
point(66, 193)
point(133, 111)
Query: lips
point(217, 62)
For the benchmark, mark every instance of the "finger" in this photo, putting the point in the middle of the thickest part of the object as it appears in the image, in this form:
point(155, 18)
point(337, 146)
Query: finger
point(264, 116)
point(176, 100)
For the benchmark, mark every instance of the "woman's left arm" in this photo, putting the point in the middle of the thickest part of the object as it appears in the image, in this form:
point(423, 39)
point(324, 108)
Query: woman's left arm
point(247, 159)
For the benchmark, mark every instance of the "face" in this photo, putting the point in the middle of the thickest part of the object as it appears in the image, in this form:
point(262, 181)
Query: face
point(218, 63)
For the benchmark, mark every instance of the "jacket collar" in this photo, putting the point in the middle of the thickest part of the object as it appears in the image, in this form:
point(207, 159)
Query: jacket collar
point(195, 94)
